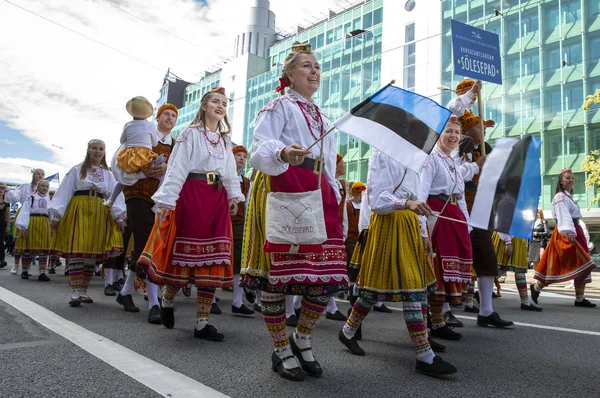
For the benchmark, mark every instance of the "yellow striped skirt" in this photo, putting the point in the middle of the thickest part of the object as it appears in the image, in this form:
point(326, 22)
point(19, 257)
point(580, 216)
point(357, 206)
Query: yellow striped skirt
point(518, 261)
point(87, 230)
point(37, 240)
point(394, 264)
point(14, 230)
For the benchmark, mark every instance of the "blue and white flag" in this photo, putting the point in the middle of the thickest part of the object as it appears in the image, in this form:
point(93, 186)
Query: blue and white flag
point(53, 177)
point(509, 188)
point(400, 123)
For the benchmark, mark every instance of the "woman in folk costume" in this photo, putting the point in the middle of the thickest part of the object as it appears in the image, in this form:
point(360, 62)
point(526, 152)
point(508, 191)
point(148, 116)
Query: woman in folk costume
point(443, 185)
point(395, 264)
point(34, 231)
point(85, 230)
point(541, 235)
point(566, 257)
point(512, 256)
point(284, 128)
point(20, 195)
point(200, 188)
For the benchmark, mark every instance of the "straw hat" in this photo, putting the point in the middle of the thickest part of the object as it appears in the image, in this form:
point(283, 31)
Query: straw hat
point(139, 107)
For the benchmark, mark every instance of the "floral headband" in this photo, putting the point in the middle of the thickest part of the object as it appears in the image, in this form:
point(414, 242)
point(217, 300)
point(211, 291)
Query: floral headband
point(563, 171)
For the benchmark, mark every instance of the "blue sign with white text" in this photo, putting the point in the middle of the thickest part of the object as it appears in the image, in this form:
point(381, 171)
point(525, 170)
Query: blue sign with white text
point(476, 53)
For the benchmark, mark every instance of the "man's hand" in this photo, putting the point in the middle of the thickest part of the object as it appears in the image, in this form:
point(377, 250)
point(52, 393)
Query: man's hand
point(428, 246)
point(572, 239)
point(418, 207)
point(489, 123)
point(155, 171)
point(294, 154)
point(476, 87)
point(480, 161)
point(161, 214)
point(121, 226)
point(233, 208)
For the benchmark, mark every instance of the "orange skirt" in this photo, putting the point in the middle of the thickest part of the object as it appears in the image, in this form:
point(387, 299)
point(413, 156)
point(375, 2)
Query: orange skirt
point(563, 260)
point(135, 159)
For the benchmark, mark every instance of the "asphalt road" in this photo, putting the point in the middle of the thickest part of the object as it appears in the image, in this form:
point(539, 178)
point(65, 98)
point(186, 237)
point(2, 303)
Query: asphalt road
point(530, 360)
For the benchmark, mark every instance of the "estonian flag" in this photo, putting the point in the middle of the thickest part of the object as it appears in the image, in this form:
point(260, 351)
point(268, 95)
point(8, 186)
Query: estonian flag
point(401, 124)
point(52, 177)
point(509, 188)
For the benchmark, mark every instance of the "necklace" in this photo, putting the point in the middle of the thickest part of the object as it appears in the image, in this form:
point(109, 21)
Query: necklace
point(315, 117)
point(213, 143)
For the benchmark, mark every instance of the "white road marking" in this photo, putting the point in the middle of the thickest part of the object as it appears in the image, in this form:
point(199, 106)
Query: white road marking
point(153, 375)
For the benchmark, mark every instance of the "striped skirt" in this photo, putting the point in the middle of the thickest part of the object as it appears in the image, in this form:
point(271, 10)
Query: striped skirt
point(394, 264)
point(518, 261)
point(87, 230)
point(38, 238)
point(563, 260)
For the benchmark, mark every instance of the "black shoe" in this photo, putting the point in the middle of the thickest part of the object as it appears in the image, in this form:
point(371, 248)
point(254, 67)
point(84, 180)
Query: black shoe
point(52, 271)
point(117, 287)
point(297, 311)
point(534, 293)
point(358, 334)
point(438, 368)
point(531, 307)
point(257, 308)
point(74, 302)
point(294, 374)
point(451, 320)
point(24, 275)
point(187, 291)
point(445, 333)
point(3, 264)
point(493, 320)
point(435, 346)
point(97, 273)
point(351, 344)
point(243, 310)
point(154, 315)
point(429, 320)
point(58, 263)
point(109, 290)
point(383, 308)
point(167, 317)
point(127, 303)
point(43, 277)
point(214, 309)
point(208, 332)
point(473, 309)
point(585, 303)
point(476, 296)
point(291, 321)
point(311, 368)
point(250, 295)
point(337, 316)
point(352, 299)
point(494, 295)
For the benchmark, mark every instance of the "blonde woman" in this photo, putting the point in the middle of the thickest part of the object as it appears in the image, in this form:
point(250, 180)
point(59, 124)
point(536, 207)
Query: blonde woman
point(86, 231)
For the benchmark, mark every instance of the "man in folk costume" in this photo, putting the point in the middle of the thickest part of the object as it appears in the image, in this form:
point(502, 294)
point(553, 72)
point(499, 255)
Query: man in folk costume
point(485, 262)
point(140, 217)
point(353, 205)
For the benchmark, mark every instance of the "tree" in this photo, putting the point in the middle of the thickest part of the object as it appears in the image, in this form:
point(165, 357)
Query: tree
point(591, 164)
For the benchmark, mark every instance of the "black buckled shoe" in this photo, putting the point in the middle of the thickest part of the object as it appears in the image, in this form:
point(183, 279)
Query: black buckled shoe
point(473, 309)
point(24, 275)
point(154, 315)
point(214, 309)
point(530, 307)
point(534, 293)
point(74, 302)
point(445, 333)
point(383, 309)
point(109, 290)
point(451, 320)
point(337, 316)
point(209, 332)
point(249, 294)
point(243, 310)
point(294, 374)
point(167, 317)
point(187, 291)
point(127, 303)
point(493, 320)
point(311, 368)
point(439, 368)
point(351, 344)
point(43, 277)
point(435, 346)
point(292, 321)
point(585, 303)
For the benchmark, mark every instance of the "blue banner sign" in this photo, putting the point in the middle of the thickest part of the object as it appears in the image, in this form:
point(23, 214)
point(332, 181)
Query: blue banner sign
point(476, 53)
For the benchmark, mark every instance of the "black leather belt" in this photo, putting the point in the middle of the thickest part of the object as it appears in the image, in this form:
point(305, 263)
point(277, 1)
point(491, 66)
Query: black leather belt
point(453, 198)
point(90, 193)
point(576, 221)
point(211, 178)
point(312, 164)
point(38, 215)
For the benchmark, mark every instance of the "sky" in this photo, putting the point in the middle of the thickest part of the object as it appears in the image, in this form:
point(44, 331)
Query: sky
point(69, 67)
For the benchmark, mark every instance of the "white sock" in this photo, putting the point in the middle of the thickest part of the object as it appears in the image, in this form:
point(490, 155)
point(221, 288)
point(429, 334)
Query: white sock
point(379, 304)
point(426, 356)
point(446, 307)
point(257, 302)
point(287, 352)
point(355, 290)
point(167, 303)
point(303, 341)
point(332, 307)
point(289, 306)
point(152, 292)
point(486, 286)
point(348, 331)
point(118, 274)
point(237, 292)
point(128, 287)
point(108, 276)
point(201, 323)
point(298, 302)
point(214, 298)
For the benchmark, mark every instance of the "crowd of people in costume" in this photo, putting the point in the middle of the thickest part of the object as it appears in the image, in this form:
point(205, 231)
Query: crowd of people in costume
point(188, 217)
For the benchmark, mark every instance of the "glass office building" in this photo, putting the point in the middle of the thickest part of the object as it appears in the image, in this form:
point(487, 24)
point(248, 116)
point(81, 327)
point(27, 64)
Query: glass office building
point(550, 60)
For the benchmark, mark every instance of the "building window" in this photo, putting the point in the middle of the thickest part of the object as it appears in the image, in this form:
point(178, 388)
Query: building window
point(574, 142)
point(571, 11)
point(531, 106)
point(409, 57)
point(377, 16)
point(552, 102)
point(553, 60)
point(572, 53)
point(553, 146)
point(243, 41)
point(531, 63)
point(594, 48)
point(512, 29)
point(551, 14)
point(529, 24)
point(250, 42)
point(593, 10)
point(573, 97)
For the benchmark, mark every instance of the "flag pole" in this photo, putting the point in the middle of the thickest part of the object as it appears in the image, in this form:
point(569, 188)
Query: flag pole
point(321, 137)
point(450, 219)
point(480, 113)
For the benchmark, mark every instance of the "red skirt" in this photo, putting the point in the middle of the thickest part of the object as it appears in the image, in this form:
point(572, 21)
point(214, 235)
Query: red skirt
point(453, 261)
point(198, 242)
point(563, 260)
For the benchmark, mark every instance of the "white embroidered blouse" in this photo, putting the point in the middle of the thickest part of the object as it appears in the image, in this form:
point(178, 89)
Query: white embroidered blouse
point(98, 179)
point(281, 123)
point(460, 104)
point(198, 150)
point(564, 210)
point(39, 206)
point(20, 194)
point(383, 177)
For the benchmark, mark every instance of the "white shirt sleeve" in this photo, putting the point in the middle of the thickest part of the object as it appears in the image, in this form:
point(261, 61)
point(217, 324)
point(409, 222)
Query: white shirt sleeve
point(463, 207)
point(563, 216)
point(428, 171)
point(460, 104)
point(64, 193)
point(506, 238)
point(382, 200)
point(118, 209)
point(267, 133)
point(468, 170)
point(22, 220)
point(345, 220)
